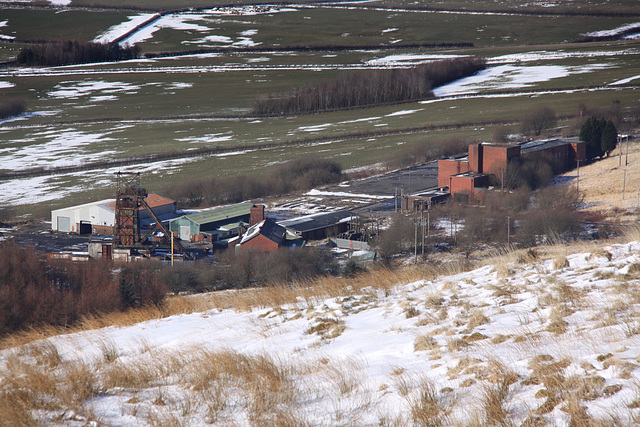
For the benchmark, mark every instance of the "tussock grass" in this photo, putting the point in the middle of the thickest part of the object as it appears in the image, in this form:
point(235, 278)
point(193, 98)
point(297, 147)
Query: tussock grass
point(268, 387)
point(427, 407)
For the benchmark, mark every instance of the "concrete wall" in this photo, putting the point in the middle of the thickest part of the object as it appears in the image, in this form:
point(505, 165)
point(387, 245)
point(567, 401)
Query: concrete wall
point(351, 244)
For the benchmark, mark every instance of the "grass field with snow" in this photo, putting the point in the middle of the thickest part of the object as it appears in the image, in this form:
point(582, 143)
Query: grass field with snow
point(544, 337)
point(96, 112)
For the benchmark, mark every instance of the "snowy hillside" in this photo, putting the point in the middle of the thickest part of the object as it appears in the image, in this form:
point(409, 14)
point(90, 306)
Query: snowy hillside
point(540, 341)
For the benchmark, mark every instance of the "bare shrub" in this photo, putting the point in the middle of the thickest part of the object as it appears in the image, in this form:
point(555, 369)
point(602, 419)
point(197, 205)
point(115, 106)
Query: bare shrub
point(397, 238)
point(500, 134)
point(295, 175)
point(34, 291)
point(11, 108)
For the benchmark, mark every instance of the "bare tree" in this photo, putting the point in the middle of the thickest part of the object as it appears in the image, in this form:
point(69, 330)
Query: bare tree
point(500, 134)
point(539, 120)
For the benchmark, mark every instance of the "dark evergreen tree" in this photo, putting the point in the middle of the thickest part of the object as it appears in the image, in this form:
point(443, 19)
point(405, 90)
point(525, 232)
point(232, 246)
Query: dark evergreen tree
point(609, 137)
point(591, 134)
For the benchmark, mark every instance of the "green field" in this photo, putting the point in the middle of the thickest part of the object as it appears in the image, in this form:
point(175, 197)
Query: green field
point(96, 112)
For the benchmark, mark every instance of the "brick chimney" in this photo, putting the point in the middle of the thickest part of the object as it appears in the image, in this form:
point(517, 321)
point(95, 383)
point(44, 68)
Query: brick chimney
point(257, 214)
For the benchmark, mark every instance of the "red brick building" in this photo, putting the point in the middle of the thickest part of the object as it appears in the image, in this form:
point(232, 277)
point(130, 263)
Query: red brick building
point(264, 236)
point(467, 177)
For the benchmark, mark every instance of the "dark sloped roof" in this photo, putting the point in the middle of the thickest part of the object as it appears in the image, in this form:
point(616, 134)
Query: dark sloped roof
point(316, 221)
point(268, 228)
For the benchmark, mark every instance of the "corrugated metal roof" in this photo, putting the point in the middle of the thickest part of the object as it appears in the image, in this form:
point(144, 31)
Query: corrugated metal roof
point(153, 200)
point(102, 203)
point(316, 221)
point(220, 214)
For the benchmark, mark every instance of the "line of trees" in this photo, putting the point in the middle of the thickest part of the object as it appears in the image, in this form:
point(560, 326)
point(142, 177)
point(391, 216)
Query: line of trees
point(370, 88)
point(68, 52)
point(600, 136)
point(295, 175)
point(11, 108)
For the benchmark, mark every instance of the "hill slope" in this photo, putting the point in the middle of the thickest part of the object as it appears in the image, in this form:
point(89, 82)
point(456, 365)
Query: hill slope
point(540, 341)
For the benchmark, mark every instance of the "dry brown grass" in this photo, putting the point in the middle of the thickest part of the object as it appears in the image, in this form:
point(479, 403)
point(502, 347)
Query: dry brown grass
point(601, 181)
point(427, 408)
point(425, 342)
point(269, 387)
point(248, 299)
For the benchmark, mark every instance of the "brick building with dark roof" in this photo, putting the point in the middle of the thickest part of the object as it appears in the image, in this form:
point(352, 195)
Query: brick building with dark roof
point(468, 177)
point(267, 236)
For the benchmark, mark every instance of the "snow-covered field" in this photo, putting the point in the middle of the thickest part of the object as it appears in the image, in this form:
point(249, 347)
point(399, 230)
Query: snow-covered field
point(88, 87)
point(205, 23)
point(544, 341)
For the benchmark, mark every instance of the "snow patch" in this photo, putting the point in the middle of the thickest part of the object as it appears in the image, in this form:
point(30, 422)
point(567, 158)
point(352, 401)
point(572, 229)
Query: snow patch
point(511, 77)
point(614, 31)
point(123, 28)
point(409, 58)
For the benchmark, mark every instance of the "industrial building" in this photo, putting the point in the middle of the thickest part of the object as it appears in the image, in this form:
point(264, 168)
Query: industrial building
point(319, 226)
point(267, 236)
point(217, 224)
point(468, 177)
point(99, 217)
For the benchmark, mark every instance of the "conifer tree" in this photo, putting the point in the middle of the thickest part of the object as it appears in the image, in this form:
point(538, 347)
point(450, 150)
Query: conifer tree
point(609, 137)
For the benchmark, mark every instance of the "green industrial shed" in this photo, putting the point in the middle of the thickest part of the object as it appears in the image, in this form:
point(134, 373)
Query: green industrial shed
point(215, 221)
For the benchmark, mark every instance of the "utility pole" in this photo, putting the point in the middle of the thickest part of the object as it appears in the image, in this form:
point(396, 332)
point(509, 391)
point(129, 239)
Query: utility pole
point(624, 183)
point(455, 230)
point(415, 245)
point(451, 228)
point(578, 180)
point(172, 249)
point(626, 156)
point(620, 151)
point(422, 228)
point(395, 201)
point(509, 231)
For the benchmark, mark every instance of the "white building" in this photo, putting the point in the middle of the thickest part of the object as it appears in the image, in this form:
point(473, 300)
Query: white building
point(99, 217)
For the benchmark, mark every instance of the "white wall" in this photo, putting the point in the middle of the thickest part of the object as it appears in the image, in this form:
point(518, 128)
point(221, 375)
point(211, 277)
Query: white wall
point(96, 213)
